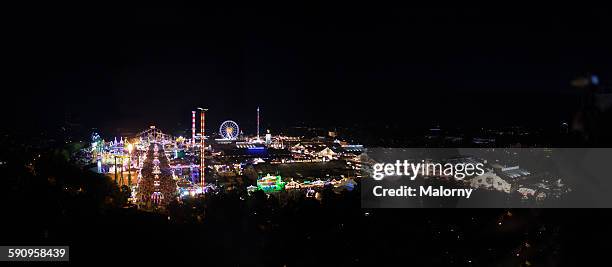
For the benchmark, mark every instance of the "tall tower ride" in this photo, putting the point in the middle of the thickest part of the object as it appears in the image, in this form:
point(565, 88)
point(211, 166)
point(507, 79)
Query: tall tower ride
point(202, 148)
point(257, 123)
point(193, 128)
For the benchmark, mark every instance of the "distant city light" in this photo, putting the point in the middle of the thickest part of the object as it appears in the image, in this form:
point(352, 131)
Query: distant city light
point(594, 80)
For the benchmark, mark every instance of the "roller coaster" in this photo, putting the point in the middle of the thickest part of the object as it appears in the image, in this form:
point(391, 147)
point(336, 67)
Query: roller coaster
point(154, 135)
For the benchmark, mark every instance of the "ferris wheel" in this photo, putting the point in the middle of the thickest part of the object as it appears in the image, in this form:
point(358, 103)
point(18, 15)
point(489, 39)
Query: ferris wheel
point(229, 130)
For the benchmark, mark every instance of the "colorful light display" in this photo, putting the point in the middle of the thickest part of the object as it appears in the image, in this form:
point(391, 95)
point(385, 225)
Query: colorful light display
point(156, 186)
point(270, 183)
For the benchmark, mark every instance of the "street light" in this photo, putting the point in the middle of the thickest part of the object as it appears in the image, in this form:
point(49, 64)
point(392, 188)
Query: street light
point(116, 181)
point(130, 147)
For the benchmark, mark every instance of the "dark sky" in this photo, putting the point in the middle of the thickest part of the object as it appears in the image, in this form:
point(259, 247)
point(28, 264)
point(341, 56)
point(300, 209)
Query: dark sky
point(112, 66)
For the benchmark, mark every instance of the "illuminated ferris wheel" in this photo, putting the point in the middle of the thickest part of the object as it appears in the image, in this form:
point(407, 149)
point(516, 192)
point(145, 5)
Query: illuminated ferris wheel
point(229, 130)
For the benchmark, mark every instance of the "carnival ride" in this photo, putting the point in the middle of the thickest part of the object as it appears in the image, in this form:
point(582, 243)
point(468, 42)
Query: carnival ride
point(229, 130)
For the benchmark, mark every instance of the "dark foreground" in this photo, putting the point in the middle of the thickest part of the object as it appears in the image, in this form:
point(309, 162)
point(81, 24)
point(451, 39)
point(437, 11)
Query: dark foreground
point(49, 201)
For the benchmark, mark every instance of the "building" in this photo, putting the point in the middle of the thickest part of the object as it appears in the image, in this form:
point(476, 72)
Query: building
point(326, 153)
point(490, 180)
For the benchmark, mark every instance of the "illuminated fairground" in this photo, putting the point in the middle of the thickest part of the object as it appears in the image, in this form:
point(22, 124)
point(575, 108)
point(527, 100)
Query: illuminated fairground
point(158, 168)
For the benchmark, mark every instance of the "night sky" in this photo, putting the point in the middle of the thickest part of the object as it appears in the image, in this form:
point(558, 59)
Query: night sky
point(118, 66)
